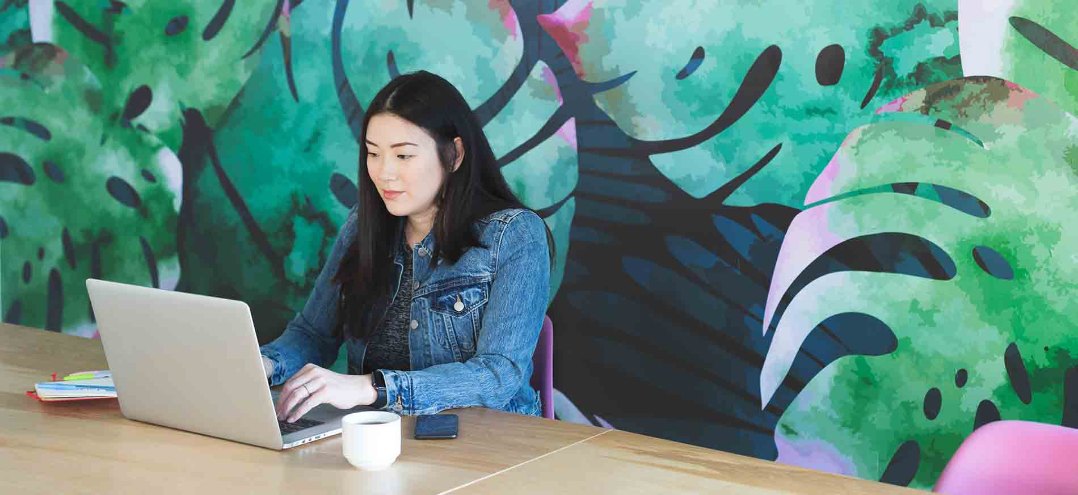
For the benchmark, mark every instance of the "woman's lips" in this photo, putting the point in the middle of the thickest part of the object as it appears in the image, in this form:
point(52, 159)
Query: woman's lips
point(391, 195)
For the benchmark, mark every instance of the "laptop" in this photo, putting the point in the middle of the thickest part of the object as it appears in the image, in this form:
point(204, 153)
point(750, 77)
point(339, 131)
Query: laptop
point(191, 362)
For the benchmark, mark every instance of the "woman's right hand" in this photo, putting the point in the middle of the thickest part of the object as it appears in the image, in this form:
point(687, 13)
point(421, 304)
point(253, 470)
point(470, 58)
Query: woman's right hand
point(314, 385)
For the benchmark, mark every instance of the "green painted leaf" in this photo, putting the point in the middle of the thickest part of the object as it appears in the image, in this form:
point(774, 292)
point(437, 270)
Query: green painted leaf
point(1014, 285)
point(688, 60)
point(189, 54)
point(82, 195)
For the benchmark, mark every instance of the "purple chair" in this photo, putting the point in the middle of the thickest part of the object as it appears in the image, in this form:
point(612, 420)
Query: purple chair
point(543, 362)
point(1014, 457)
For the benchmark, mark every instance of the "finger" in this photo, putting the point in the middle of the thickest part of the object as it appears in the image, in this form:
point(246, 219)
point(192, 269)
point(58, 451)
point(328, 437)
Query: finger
point(292, 386)
point(287, 404)
point(289, 397)
point(288, 392)
point(301, 376)
point(308, 404)
point(299, 394)
point(285, 400)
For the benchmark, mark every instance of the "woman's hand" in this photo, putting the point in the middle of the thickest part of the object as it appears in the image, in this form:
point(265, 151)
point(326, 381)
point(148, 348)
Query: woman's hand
point(314, 385)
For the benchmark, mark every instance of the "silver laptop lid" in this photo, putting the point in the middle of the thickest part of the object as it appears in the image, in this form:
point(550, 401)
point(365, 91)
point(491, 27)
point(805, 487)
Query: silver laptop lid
point(185, 361)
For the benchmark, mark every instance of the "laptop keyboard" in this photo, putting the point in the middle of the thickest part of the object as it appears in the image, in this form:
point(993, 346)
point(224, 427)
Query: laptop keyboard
point(300, 424)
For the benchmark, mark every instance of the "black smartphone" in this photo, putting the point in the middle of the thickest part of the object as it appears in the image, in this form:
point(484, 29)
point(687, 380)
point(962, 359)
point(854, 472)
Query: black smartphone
point(438, 426)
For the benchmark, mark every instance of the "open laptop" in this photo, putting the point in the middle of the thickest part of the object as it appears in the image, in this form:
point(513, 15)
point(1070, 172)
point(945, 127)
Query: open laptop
point(191, 362)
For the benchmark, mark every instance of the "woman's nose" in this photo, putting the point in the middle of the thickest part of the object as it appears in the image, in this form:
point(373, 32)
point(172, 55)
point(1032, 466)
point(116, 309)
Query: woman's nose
point(388, 173)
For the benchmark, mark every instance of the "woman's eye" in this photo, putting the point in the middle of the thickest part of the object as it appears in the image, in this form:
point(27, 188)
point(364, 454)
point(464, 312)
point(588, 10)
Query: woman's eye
point(404, 157)
point(372, 154)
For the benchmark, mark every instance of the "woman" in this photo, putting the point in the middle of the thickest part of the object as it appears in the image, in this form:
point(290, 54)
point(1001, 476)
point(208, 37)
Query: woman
point(438, 280)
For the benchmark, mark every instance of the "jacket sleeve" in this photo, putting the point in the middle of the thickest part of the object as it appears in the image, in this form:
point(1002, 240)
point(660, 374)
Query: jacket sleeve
point(509, 331)
point(310, 336)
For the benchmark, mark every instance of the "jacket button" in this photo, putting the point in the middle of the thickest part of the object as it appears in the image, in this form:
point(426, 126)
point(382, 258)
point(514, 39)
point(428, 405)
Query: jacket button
point(415, 285)
point(413, 325)
point(423, 251)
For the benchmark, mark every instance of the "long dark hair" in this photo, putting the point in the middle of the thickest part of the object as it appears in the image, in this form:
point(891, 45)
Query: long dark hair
point(475, 190)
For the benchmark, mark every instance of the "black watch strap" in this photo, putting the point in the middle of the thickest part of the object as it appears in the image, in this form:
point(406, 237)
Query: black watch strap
point(379, 380)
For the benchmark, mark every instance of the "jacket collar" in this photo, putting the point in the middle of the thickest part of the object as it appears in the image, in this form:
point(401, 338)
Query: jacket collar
point(426, 244)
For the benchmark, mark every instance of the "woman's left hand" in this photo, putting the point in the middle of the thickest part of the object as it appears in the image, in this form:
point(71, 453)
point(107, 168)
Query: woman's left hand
point(314, 385)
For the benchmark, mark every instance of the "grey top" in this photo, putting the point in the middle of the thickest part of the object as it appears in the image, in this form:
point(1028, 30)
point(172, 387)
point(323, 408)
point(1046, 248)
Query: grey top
point(388, 347)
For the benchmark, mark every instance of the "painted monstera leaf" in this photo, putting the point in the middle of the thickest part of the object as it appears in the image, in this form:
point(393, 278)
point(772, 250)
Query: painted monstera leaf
point(709, 89)
point(82, 194)
point(1029, 42)
point(285, 156)
point(992, 185)
point(172, 55)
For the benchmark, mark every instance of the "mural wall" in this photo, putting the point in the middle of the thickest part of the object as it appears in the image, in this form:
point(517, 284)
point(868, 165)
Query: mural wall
point(832, 233)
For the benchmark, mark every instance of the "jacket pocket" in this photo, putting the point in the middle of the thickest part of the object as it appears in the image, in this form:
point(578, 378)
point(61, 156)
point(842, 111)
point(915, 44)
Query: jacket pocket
point(459, 307)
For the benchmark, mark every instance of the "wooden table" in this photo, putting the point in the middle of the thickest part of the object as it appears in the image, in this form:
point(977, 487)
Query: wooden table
point(88, 447)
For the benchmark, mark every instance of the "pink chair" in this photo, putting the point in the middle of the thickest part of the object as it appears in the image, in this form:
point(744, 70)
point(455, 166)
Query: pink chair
point(1004, 457)
point(543, 362)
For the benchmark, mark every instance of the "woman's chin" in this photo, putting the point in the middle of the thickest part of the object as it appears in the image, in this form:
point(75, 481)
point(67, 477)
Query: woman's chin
point(396, 210)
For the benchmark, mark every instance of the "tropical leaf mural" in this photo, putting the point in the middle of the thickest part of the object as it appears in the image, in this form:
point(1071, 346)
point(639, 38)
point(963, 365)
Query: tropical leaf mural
point(667, 275)
point(708, 89)
point(168, 55)
point(997, 172)
point(84, 193)
point(90, 129)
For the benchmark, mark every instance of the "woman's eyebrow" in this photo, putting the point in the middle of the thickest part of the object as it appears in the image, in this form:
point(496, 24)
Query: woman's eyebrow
point(393, 146)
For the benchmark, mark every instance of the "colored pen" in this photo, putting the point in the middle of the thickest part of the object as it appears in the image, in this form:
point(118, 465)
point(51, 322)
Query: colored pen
point(88, 375)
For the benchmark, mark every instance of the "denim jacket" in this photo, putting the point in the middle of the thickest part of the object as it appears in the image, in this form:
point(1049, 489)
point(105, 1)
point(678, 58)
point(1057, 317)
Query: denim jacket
point(475, 354)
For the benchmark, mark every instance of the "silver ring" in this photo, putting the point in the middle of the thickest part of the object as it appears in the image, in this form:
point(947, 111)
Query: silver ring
point(307, 389)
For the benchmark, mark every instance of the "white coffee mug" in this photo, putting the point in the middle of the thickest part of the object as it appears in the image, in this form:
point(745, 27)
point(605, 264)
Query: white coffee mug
point(371, 439)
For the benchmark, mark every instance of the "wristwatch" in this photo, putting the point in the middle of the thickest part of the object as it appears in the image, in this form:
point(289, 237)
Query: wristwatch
point(379, 380)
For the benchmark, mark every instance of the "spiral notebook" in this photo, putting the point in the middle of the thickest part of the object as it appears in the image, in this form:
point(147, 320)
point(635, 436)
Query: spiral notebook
point(77, 386)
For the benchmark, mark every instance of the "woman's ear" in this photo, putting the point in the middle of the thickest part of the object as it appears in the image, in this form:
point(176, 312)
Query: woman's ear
point(458, 143)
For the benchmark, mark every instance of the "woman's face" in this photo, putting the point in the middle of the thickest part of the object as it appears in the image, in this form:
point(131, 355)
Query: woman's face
point(403, 163)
